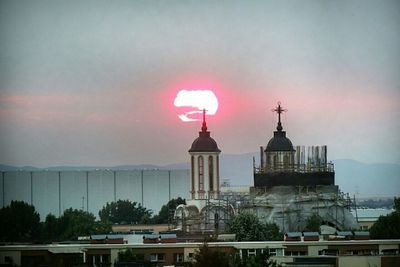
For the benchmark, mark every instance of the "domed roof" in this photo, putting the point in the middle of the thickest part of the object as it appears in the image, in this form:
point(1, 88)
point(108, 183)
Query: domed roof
point(204, 143)
point(279, 142)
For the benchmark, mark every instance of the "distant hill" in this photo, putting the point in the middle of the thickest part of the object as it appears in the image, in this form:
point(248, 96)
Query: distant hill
point(353, 177)
point(14, 168)
point(368, 180)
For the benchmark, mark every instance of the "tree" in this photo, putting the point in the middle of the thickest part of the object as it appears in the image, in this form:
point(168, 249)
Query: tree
point(101, 227)
point(387, 227)
point(210, 257)
point(19, 222)
point(71, 224)
point(396, 204)
point(51, 229)
point(74, 223)
point(206, 256)
point(165, 213)
point(259, 260)
point(313, 223)
point(247, 227)
point(127, 256)
point(123, 211)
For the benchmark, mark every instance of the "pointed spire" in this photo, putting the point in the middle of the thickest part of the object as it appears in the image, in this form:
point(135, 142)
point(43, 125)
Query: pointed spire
point(204, 126)
point(279, 110)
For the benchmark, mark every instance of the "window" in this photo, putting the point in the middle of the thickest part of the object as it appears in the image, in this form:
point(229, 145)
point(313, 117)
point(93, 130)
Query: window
point(178, 257)
point(157, 257)
point(275, 161)
point(192, 162)
point(272, 251)
point(201, 173)
point(330, 252)
point(216, 220)
point(8, 259)
point(295, 253)
point(211, 173)
point(251, 252)
point(217, 174)
point(285, 160)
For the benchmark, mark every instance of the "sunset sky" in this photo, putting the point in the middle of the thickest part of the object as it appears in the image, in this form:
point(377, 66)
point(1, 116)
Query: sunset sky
point(94, 82)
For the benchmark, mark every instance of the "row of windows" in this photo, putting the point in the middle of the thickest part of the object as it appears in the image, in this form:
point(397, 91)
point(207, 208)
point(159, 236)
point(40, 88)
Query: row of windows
point(273, 160)
point(254, 252)
point(201, 172)
point(157, 257)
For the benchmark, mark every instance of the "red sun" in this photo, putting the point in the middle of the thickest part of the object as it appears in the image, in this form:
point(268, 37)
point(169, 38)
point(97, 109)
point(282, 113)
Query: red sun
point(192, 102)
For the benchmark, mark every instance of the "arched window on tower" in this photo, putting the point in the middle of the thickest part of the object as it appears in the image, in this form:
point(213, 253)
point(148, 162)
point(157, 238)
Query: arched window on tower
point(217, 189)
point(193, 185)
point(211, 173)
point(201, 173)
point(285, 161)
point(275, 162)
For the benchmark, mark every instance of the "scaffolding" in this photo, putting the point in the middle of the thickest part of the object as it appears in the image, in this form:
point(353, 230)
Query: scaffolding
point(290, 206)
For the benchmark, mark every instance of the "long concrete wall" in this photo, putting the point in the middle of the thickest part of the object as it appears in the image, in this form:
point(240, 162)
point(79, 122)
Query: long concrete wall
point(55, 191)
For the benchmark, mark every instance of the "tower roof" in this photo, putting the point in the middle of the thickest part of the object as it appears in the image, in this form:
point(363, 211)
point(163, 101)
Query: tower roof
point(279, 142)
point(204, 143)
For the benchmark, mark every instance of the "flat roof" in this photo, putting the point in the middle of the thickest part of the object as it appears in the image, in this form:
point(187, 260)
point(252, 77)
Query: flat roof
point(238, 245)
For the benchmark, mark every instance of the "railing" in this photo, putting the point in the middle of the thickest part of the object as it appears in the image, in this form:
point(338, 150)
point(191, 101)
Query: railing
point(300, 168)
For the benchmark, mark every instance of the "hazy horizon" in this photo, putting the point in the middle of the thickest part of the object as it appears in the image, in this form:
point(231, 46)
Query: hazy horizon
point(93, 83)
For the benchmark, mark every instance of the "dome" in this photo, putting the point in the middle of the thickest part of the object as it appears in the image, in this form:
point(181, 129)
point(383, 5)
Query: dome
point(279, 143)
point(204, 143)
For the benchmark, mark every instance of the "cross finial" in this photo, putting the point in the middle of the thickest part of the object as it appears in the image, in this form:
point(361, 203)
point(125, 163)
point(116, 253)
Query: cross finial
point(279, 110)
point(204, 126)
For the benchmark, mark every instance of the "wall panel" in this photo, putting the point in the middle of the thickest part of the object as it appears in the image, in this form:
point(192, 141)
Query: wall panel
point(180, 184)
point(129, 185)
point(17, 186)
point(101, 190)
point(45, 193)
point(155, 189)
point(73, 190)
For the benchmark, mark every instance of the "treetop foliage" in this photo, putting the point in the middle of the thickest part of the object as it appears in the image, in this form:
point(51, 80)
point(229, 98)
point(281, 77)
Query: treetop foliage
point(208, 257)
point(396, 203)
point(313, 223)
point(124, 212)
point(19, 222)
point(387, 227)
point(213, 257)
point(165, 213)
point(247, 227)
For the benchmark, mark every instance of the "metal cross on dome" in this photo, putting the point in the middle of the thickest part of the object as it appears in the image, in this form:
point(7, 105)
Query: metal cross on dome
point(279, 110)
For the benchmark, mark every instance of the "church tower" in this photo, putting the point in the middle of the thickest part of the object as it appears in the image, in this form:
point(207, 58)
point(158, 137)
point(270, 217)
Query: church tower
point(204, 158)
point(283, 165)
point(279, 153)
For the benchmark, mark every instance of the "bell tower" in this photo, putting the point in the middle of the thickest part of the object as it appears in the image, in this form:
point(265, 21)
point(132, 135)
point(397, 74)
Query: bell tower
point(204, 159)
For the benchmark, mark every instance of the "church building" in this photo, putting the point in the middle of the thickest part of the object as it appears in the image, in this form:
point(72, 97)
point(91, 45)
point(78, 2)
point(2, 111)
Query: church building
point(205, 212)
point(291, 185)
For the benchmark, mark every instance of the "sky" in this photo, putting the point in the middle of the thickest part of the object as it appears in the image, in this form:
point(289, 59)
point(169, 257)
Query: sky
point(94, 82)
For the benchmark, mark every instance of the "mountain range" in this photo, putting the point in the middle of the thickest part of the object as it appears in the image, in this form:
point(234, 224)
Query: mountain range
point(353, 177)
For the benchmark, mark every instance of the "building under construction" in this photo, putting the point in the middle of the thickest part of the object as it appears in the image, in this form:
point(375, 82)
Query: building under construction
point(291, 185)
point(205, 212)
